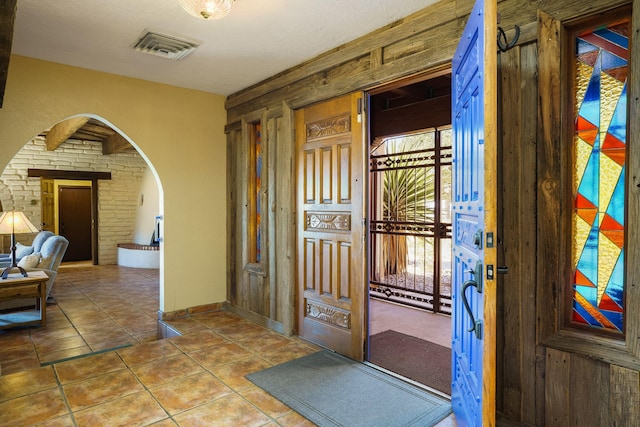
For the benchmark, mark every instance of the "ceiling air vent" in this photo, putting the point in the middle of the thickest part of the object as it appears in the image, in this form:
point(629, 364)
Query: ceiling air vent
point(171, 47)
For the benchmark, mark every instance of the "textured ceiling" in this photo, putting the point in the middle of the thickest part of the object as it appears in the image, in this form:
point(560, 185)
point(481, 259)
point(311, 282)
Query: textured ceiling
point(257, 40)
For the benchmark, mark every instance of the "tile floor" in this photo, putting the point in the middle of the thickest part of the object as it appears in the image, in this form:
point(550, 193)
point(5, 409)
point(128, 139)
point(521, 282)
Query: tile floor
point(195, 379)
point(97, 308)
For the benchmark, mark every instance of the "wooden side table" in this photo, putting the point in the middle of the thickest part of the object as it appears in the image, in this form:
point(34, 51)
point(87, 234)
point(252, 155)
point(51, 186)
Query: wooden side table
point(33, 286)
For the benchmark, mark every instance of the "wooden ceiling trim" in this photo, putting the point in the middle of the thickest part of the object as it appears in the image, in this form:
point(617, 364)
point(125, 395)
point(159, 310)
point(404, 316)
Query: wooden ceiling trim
point(64, 174)
point(7, 19)
point(62, 131)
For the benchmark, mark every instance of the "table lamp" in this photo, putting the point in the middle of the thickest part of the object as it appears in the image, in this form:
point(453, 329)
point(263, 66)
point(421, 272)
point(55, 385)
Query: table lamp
point(15, 223)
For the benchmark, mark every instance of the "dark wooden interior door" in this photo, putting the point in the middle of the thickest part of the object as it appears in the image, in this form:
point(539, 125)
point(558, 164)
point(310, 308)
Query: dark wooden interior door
point(74, 221)
point(331, 256)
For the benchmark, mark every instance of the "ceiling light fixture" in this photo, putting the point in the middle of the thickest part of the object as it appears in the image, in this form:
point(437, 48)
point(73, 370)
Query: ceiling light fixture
point(207, 9)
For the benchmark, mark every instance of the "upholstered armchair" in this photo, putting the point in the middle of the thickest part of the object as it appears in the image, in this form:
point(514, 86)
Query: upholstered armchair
point(47, 260)
point(23, 250)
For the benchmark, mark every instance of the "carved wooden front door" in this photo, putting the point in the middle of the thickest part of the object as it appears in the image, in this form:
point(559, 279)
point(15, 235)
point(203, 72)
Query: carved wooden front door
point(331, 256)
point(474, 206)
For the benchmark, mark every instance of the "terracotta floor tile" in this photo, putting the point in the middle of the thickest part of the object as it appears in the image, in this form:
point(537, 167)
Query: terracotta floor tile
point(26, 382)
point(88, 328)
point(265, 402)
point(63, 354)
point(240, 330)
point(106, 334)
point(132, 322)
point(186, 325)
point(189, 392)
point(219, 355)
point(233, 374)
point(143, 336)
point(101, 389)
point(288, 352)
point(164, 423)
point(293, 419)
point(88, 317)
point(228, 411)
point(197, 341)
point(115, 344)
point(13, 338)
point(22, 351)
point(137, 409)
point(44, 336)
point(166, 370)
point(34, 408)
point(64, 421)
point(145, 353)
point(10, 367)
point(56, 323)
point(56, 344)
point(217, 319)
point(88, 367)
point(267, 341)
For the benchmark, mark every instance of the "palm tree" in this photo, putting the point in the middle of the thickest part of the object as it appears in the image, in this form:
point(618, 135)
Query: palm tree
point(408, 196)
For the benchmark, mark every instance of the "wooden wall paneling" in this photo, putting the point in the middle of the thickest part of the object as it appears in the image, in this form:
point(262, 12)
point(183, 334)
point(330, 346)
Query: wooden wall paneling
point(510, 286)
point(517, 100)
point(439, 46)
point(589, 392)
point(269, 209)
point(548, 160)
point(285, 214)
point(557, 392)
point(242, 221)
point(233, 139)
point(624, 397)
point(526, 249)
point(567, 10)
point(546, 207)
point(430, 18)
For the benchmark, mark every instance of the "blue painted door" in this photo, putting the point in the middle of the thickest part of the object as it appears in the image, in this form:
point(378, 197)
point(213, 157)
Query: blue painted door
point(474, 218)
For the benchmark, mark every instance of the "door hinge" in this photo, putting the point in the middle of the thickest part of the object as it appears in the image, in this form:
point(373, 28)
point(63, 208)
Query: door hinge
point(360, 109)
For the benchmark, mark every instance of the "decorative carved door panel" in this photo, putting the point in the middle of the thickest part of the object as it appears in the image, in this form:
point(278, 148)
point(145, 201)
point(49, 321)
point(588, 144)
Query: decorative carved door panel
point(331, 255)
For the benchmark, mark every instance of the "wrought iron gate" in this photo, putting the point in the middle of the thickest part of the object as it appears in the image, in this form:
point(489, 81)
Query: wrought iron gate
point(410, 229)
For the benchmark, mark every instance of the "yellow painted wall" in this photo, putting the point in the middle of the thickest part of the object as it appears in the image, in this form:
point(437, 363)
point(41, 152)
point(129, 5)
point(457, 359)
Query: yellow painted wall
point(180, 132)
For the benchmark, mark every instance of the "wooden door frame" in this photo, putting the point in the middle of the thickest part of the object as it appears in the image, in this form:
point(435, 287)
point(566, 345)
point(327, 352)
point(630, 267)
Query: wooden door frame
point(94, 177)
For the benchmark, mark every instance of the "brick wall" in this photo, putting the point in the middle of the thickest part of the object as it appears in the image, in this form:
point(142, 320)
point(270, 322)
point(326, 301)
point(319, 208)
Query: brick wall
point(117, 198)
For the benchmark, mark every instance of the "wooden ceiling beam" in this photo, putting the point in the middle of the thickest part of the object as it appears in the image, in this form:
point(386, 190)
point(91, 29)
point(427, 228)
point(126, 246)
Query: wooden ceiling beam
point(115, 144)
point(60, 132)
point(7, 19)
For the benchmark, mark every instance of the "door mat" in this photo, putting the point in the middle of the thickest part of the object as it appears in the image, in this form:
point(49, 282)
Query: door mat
point(419, 360)
point(331, 390)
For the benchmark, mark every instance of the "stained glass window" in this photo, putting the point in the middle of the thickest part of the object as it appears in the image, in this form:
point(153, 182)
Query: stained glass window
point(600, 136)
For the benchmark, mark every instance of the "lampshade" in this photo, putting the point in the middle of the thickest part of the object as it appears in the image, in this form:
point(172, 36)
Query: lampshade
point(16, 223)
point(207, 9)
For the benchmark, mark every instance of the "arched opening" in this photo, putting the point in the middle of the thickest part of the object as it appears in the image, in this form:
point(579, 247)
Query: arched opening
point(125, 198)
